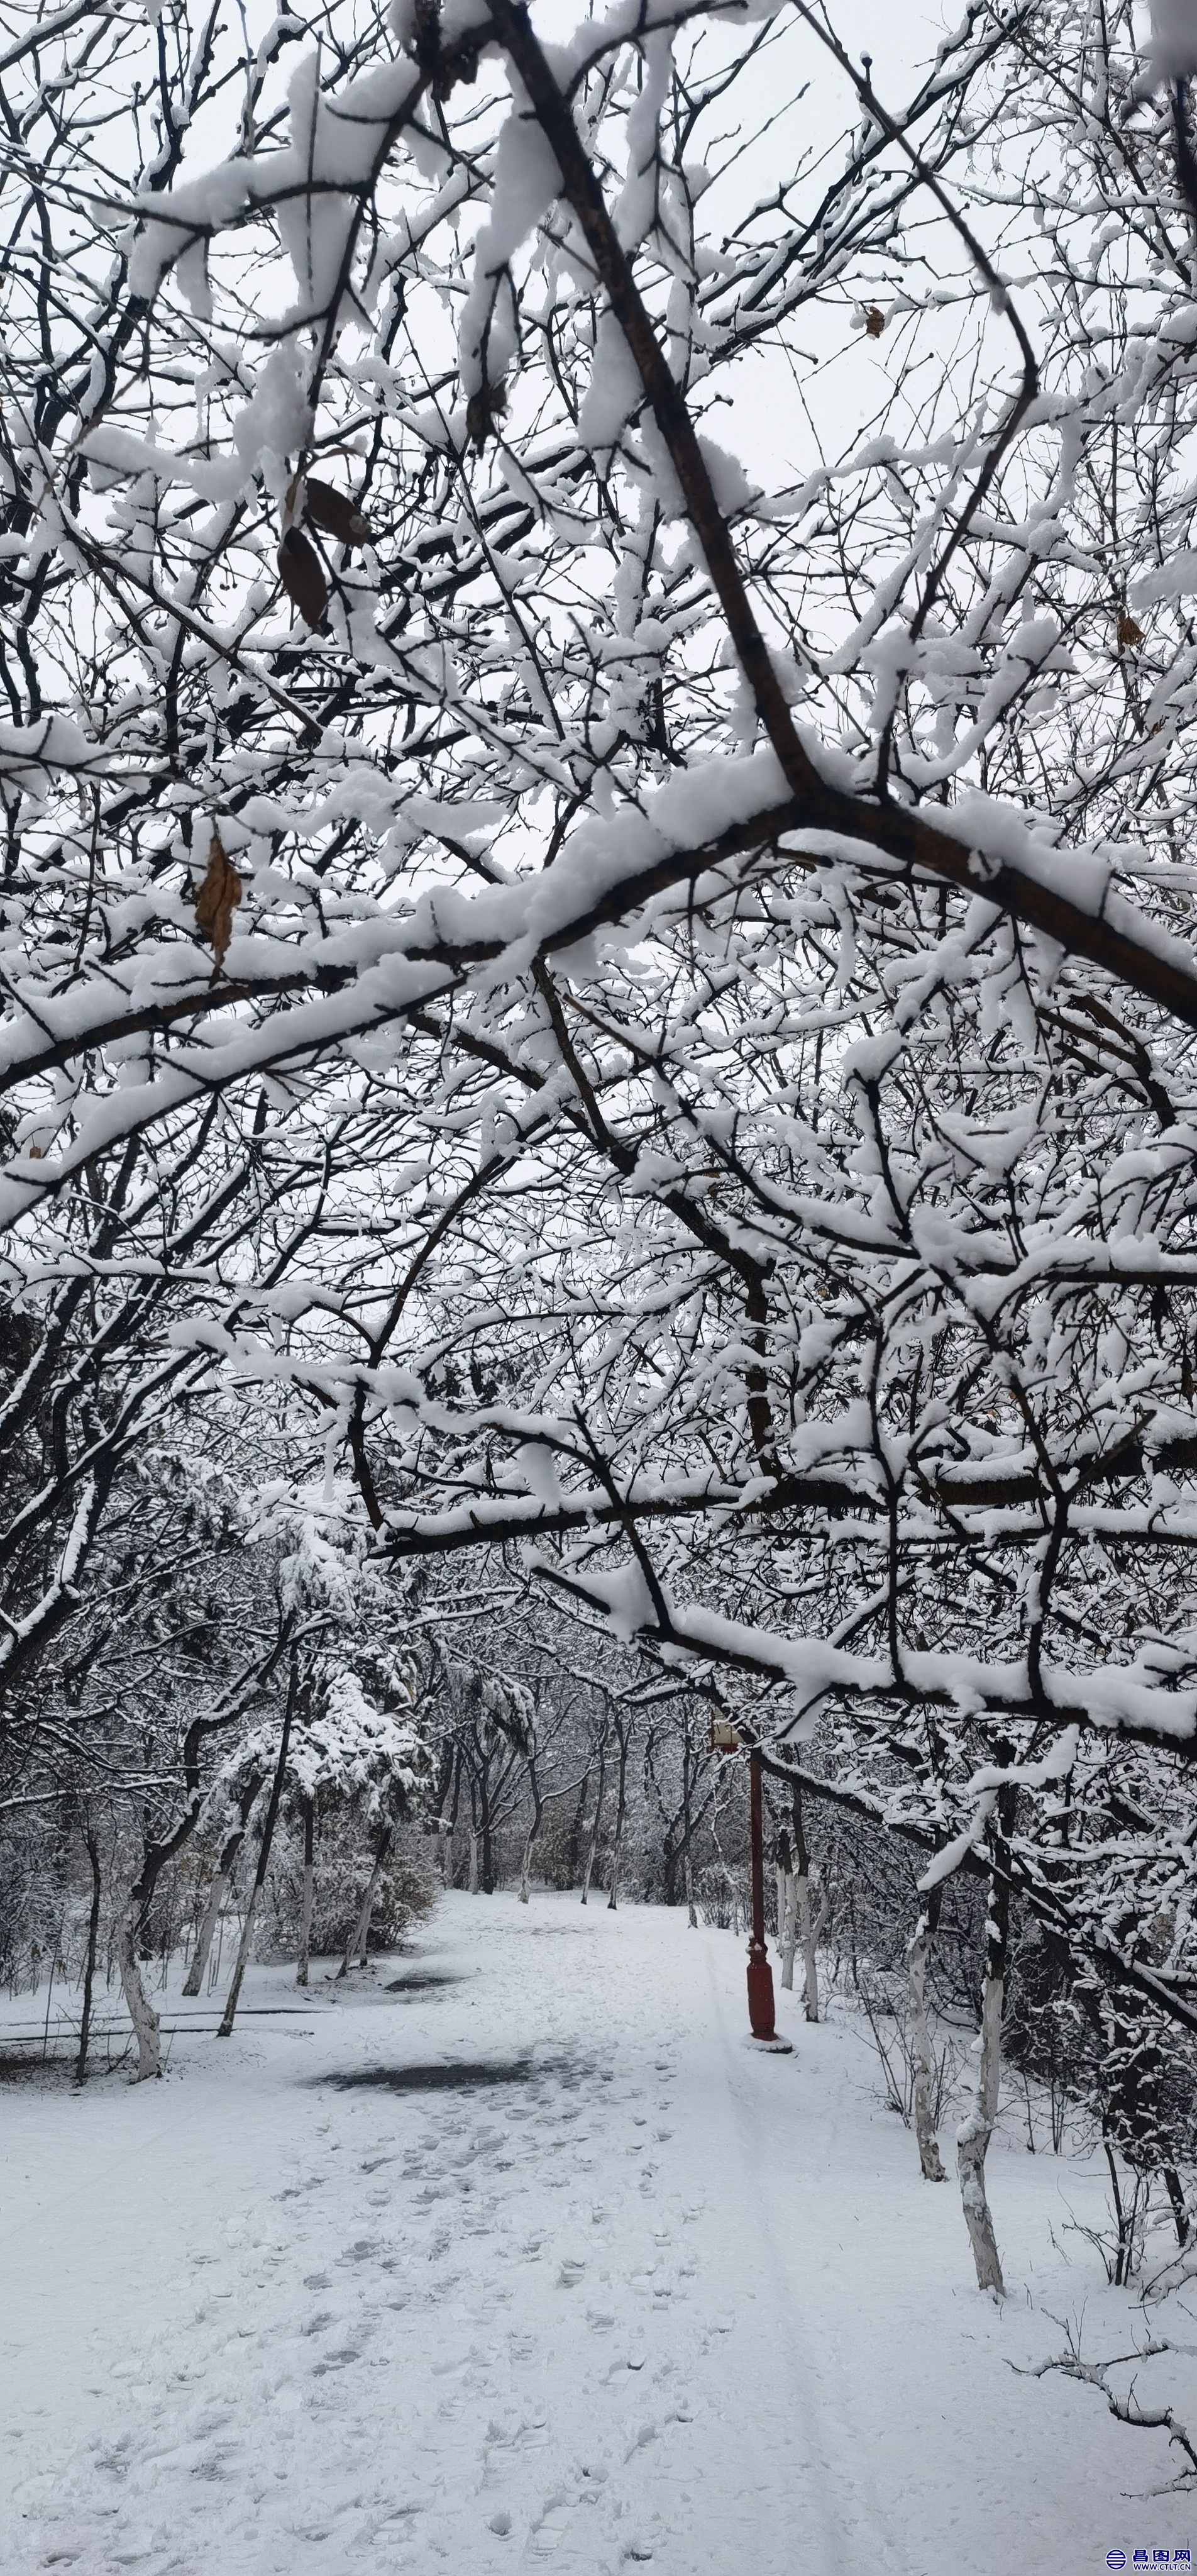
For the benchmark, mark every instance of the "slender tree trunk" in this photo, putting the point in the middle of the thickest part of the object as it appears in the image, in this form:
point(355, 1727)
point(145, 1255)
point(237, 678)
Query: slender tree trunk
point(688, 1828)
point(530, 1837)
point(218, 1892)
point(360, 1943)
point(247, 1929)
point(787, 1913)
point(811, 1923)
point(215, 1898)
point(807, 1926)
point(1180, 2215)
point(624, 1735)
point(917, 1956)
point(91, 1841)
point(473, 1860)
point(592, 1846)
point(972, 2139)
point(309, 1889)
point(575, 1831)
point(449, 1837)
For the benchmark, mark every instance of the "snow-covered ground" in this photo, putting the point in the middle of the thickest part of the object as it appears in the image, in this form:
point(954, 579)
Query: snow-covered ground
point(639, 2294)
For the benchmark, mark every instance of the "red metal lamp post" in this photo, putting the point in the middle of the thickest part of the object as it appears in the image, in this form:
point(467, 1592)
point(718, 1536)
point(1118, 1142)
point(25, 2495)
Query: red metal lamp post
point(725, 1739)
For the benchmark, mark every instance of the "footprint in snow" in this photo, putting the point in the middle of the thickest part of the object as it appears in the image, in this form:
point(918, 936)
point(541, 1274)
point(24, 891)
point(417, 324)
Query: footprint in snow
point(550, 2531)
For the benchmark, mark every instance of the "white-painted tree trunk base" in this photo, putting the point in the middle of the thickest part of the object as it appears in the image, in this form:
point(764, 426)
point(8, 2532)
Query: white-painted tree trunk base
point(141, 2011)
point(972, 2142)
point(207, 1933)
point(360, 1945)
point(787, 1926)
point(811, 1927)
point(242, 1962)
point(922, 2055)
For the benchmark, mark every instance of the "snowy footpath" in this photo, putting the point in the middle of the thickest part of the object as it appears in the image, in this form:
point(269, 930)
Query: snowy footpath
point(517, 2252)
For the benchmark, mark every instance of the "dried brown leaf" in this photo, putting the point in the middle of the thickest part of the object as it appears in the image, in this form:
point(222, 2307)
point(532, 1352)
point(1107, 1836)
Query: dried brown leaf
point(874, 321)
point(302, 579)
point(217, 898)
point(482, 411)
point(336, 514)
point(1130, 632)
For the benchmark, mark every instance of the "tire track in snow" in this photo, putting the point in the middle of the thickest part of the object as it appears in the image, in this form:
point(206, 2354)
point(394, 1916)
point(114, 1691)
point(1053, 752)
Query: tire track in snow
point(764, 2110)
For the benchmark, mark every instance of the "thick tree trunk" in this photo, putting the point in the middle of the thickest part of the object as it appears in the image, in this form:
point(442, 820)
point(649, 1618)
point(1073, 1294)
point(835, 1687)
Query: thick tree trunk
point(91, 1842)
point(141, 2011)
point(133, 1912)
point(917, 1956)
point(247, 1929)
point(309, 1890)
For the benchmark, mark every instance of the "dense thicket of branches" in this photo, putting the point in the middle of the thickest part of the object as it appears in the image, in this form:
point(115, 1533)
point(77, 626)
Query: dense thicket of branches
point(598, 767)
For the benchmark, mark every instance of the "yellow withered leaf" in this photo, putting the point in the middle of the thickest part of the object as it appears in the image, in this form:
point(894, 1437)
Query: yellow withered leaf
point(217, 898)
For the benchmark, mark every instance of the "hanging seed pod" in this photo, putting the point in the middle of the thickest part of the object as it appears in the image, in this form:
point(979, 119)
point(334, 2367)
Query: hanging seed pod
point(217, 899)
point(302, 579)
point(336, 514)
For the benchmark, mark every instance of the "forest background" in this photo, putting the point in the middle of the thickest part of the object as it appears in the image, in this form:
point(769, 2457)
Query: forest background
point(598, 1131)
